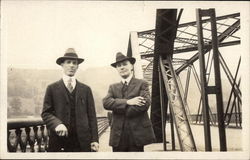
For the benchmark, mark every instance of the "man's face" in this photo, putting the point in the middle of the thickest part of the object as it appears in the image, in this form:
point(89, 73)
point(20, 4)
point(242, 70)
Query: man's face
point(70, 67)
point(124, 68)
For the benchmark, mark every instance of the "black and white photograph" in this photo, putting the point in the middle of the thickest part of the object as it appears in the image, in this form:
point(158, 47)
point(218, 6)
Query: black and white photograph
point(124, 79)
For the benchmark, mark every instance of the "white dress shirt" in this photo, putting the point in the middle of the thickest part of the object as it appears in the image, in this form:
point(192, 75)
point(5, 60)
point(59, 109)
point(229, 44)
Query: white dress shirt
point(128, 79)
point(66, 80)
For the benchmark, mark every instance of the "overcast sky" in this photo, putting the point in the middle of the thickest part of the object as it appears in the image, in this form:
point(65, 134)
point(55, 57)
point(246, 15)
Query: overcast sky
point(36, 33)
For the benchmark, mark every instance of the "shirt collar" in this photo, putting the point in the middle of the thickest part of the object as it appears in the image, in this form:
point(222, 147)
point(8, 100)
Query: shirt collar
point(128, 79)
point(66, 78)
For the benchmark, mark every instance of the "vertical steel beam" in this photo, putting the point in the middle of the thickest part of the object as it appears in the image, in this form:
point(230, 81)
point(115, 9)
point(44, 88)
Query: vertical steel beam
point(163, 111)
point(207, 134)
point(239, 108)
point(155, 114)
point(217, 74)
point(164, 38)
point(204, 82)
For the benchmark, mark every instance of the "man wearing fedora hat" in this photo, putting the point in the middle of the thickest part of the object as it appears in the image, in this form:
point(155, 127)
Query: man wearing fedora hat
point(129, 101)
point(69, 110)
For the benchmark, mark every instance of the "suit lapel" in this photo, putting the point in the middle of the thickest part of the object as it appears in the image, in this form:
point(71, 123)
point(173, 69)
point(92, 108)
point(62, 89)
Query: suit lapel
point(77, 88)
point(119, 89)
point(130, 88)
point(131, 85)
point(63, 90)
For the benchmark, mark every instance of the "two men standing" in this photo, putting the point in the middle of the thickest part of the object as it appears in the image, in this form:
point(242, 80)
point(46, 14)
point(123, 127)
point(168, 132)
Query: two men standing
point(69, 110)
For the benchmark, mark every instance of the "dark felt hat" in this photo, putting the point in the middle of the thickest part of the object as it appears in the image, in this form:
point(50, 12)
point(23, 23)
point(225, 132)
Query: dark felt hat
point(121, 57)
point(69, 54)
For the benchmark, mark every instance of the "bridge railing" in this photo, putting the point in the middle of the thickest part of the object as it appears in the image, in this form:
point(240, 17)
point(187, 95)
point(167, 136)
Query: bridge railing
point(31, 134)
point(231, 120)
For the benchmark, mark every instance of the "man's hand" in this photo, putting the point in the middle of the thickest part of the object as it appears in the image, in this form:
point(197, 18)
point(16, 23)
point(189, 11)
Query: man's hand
point(94, 146)
point(61, 130)
point(139, 101)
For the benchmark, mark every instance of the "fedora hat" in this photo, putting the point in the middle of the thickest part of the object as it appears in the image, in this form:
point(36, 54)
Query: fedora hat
point(69, 54)
point(121, 57)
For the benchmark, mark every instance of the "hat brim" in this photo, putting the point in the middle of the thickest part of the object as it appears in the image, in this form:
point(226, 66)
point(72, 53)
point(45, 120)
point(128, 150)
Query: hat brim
point(130, 59)
point(60, 60)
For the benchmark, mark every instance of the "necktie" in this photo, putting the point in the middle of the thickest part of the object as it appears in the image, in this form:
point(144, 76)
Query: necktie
point(124, 88)
point(69, 85)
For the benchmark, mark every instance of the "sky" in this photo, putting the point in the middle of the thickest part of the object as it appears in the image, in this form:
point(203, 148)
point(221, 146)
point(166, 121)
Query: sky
point(36, 33)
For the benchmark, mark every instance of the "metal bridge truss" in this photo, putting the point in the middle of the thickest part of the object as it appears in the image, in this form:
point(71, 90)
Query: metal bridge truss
point(166, 25)
point(167, 88)
point(177, 106)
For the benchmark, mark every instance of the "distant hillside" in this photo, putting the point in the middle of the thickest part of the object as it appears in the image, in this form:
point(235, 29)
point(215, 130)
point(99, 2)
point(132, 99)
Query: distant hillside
point(26, 88)
point(194, 94)
point(28, 85)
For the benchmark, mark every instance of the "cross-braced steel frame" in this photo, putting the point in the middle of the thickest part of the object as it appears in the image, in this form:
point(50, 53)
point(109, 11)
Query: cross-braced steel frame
point(197, 39)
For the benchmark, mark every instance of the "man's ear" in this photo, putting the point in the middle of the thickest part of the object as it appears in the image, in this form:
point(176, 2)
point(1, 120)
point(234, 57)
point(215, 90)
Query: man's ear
point(132, 69)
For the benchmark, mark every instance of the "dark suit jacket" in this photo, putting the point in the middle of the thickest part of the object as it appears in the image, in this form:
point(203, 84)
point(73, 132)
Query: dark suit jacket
point(56, 110)
point(136, 116)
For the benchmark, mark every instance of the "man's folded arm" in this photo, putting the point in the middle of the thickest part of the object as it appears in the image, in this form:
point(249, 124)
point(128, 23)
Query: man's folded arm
point(117, 105)
point(134, 110)
point(48, 113)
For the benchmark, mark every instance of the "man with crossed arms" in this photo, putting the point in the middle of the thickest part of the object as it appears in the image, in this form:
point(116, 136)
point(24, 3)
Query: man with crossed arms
point(129, 101)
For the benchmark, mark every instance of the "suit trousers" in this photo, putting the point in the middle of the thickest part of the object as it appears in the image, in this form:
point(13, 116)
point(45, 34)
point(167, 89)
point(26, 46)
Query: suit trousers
point(68, 144)
point(127, 143)
point(71, 143)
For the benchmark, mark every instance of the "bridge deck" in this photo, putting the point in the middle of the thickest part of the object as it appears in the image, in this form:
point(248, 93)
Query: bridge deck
point(233, 140)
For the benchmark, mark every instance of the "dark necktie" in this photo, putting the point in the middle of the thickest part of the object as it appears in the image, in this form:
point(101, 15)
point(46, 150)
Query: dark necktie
point(124, 88)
